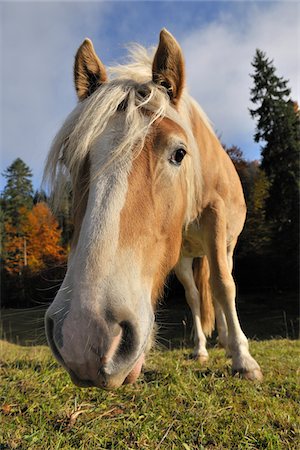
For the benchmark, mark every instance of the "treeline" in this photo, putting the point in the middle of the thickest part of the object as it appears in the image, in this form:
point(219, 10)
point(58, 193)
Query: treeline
point(35, 244)
point(33, 251)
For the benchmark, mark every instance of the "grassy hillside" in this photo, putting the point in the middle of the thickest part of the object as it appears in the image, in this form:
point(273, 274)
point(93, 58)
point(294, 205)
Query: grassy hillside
point(175, 405)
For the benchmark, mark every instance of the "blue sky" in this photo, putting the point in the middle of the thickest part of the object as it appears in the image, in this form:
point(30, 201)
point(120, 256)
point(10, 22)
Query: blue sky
point(39, 40)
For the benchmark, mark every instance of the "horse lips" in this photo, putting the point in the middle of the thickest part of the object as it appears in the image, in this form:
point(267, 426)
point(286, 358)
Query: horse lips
point(135, 372)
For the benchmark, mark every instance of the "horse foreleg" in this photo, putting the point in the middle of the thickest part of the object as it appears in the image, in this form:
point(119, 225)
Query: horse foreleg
point(184, 273)
point(220, 316)
point(224, 292)
point(221, 326)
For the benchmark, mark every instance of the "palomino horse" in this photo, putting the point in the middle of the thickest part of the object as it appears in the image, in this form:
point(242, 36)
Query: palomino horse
point(152, 190)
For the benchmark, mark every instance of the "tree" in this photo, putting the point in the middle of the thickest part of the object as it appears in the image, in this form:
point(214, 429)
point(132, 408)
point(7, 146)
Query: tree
point(256, 234)
point(2, 225)
point(37, 246)
point(279, 132)
point(18, 192)
point(14, 251)
point(43, 239)
point(40, 196)
point(243, 167)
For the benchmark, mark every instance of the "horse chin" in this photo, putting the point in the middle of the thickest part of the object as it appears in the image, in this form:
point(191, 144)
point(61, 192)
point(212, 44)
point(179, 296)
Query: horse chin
point(135, 372)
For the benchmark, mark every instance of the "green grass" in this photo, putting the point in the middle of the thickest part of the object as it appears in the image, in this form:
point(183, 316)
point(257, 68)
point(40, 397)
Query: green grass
point(175, 405)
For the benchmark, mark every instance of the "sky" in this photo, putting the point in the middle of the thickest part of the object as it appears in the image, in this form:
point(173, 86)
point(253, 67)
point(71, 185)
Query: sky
point(38, 41)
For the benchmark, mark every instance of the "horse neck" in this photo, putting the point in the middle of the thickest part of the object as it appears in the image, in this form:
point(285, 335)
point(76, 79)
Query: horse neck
point(210, 154)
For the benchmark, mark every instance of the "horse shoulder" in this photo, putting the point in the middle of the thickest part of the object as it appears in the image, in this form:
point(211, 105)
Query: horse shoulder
point(222, 193)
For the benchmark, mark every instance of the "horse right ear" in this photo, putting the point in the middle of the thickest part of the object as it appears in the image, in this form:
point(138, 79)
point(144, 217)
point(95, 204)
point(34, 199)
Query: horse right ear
point(168, 66)
point(89, 71)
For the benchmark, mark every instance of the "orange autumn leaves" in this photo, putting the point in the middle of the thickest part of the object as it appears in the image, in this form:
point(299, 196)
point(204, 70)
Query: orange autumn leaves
point(34, 243)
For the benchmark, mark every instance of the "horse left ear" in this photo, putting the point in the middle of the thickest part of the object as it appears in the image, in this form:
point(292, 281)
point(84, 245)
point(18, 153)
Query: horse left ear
point(168, 66)
point(89, 71)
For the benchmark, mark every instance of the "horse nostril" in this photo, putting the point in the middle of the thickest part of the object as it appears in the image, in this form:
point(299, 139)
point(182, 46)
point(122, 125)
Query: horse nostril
point(49, 326)
point(128, 341)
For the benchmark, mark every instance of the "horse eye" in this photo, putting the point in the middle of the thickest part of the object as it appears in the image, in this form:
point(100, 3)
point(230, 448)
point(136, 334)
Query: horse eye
point(177, 156)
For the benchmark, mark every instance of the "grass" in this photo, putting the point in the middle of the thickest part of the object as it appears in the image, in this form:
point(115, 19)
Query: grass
point(175, 405)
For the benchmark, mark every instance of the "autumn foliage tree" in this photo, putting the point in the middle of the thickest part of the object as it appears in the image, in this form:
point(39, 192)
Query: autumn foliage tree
point(44, 237)
point(36, 244)
point(32, 252)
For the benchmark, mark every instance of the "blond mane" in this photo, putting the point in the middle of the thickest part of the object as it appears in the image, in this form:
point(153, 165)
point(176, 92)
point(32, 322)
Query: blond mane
point(130, 84)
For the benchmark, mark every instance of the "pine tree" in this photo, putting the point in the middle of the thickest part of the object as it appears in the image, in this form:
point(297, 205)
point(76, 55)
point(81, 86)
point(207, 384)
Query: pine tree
point(279, 132)
point(14, 244)
point(40, 196)
point(18, 192)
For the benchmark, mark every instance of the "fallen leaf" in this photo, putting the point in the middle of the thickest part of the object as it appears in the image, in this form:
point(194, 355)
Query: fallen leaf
point(6, 408)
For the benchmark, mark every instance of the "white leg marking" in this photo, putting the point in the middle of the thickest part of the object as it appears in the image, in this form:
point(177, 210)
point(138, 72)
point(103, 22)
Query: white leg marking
point(224, 292)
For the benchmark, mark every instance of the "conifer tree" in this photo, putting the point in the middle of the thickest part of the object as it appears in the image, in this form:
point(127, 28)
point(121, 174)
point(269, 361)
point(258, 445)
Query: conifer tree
point(279, 133)
point(18, 192)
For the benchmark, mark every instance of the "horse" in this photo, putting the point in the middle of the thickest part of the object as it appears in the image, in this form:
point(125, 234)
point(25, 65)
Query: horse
point(152, 190)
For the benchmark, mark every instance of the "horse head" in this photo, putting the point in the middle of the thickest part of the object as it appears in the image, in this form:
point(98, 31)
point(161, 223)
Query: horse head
point(126, 150)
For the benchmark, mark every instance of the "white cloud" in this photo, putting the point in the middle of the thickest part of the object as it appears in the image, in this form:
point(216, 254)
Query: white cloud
point(218, 59)
point(38, 46)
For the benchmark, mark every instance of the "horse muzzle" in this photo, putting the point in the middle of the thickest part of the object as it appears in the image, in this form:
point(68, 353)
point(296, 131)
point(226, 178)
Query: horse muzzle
point(97, 352)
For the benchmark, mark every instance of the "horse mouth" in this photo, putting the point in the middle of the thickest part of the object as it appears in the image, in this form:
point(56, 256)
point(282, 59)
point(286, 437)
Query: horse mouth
point(114, 381)
point(135, 372)
point(109, 383)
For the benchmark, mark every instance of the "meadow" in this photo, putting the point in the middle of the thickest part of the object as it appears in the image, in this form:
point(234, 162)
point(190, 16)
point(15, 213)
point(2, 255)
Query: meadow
point(176, 404)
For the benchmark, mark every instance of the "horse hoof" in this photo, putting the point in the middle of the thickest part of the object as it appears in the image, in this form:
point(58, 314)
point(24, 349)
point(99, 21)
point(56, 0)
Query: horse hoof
point(251, 375)
point(203, 360)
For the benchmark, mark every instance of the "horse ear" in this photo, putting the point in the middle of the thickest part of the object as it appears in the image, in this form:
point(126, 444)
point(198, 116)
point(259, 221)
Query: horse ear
point(168, 66)
point(89, 71)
